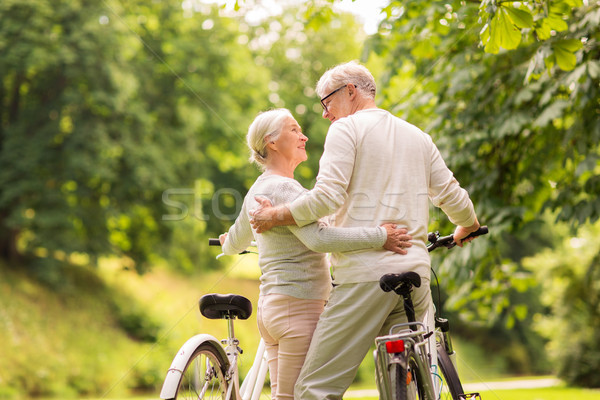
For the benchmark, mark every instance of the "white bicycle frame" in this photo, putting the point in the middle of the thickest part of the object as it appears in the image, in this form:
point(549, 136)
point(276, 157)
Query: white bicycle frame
point(252, 385)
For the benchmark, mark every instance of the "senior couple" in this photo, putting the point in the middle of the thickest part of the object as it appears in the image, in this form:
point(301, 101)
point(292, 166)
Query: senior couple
point(369, 208)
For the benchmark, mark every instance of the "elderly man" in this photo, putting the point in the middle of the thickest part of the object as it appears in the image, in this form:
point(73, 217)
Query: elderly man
point(375, 168)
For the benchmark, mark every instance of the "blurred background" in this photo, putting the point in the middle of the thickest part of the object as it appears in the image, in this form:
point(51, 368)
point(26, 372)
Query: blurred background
point(122, 150)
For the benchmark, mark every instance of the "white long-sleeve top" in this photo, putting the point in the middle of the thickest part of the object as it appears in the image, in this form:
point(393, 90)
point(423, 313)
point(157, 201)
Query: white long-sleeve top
point(291, 258)
point(378, 168)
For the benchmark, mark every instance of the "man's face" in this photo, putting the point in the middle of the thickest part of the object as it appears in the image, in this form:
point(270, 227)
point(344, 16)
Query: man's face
point(336, 103)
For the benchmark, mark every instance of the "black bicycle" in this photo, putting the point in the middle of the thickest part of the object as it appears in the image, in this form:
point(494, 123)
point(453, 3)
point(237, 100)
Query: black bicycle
point(403, 358)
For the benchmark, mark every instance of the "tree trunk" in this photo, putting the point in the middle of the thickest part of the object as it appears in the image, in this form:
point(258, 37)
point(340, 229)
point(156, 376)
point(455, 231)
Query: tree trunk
point(8, 242)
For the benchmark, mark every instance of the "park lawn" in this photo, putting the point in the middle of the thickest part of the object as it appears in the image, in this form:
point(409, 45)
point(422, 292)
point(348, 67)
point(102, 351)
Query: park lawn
point(552, 393)
point(173, 300)
point(559, 392)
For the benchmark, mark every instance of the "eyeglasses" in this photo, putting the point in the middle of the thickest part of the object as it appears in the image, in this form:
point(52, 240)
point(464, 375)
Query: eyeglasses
point(329, 95)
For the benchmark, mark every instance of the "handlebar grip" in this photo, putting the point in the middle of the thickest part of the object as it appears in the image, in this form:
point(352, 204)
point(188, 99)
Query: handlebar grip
point(214, 242)
point(481, 231)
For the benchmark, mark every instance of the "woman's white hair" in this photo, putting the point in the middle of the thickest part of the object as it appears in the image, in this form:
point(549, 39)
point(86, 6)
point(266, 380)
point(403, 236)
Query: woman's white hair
point(266, 127)
point(343, 74)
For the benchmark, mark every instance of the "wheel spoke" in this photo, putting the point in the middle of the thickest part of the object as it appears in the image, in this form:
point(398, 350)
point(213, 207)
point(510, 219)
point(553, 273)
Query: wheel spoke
point(204, 377)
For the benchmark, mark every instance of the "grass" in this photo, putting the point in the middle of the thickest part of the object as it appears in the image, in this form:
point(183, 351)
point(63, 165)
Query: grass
point(559, 392)
point(553, 393)
point(70, 341)
point(66, 341)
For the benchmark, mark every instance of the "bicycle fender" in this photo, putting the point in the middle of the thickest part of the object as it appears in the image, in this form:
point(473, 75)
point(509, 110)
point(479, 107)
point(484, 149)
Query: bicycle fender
point(169, 389)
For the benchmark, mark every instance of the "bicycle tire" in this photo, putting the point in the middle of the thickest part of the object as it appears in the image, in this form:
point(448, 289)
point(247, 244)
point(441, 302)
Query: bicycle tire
point(204, 376)
point(407, 380)
point(451, 387)
point(398, 375)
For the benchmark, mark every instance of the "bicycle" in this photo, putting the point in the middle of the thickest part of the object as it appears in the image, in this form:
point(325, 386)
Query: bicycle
point(205, 368)
point(403, 358)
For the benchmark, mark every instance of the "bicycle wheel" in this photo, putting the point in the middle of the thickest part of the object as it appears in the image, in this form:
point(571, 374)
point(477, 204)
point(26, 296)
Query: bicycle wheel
point(204, 375)
point(407, 379)
point(451, 388)
point(398, 377)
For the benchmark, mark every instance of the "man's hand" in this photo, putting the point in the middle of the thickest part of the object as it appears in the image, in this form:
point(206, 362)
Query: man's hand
point(462, 232)
point(222, 238)
point(266, 216)
point(262, 217)
point(398, 239)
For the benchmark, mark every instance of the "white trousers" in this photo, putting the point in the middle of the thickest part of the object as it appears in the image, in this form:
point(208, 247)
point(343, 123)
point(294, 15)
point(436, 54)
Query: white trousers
point(354, 315)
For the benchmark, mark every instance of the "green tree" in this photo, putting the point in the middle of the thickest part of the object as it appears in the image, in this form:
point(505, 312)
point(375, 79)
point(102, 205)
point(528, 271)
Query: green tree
point(519, 130)
point(509, 91)
point(296, 56)
point(569, 275)
point(104, 108)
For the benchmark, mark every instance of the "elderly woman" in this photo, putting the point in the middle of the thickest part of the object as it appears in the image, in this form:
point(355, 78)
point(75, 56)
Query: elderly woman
point(295, 281)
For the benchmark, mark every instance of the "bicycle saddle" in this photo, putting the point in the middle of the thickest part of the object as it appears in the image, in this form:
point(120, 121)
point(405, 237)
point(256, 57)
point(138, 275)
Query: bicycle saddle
point(390, 282)
point(219, 306)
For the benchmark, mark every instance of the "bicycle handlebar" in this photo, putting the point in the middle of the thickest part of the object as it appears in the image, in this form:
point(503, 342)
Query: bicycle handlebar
point(437, 241)
point(217, 242)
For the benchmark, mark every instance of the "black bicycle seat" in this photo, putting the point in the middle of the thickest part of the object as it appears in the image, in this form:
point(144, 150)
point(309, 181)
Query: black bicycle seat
point(389, 282)
point(225, 306)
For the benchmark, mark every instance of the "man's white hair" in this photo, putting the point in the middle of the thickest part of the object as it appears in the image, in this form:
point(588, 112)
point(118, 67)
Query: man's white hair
point(343, 74)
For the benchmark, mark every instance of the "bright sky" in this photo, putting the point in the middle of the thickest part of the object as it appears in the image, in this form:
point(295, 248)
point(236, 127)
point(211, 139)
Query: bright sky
point(367, 11)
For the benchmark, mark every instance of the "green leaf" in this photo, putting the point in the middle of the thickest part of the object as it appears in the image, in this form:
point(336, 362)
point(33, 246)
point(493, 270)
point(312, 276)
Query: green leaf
point(593, 68)
point(571, 45)
point(564, 52)
point(520, 311)
point(543, 30)
point(520, 17)
point(549, 62)
point(553, 111)
point(565, 59)
point(491, 46)
point(556, 22)
point(503, 32)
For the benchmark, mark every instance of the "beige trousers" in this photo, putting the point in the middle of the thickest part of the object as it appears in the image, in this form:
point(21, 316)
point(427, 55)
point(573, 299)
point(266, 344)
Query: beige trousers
point(355, 314)
point(286, 324)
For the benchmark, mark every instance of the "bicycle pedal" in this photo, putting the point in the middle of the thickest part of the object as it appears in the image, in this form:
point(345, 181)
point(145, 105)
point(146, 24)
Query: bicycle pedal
point(469, 396)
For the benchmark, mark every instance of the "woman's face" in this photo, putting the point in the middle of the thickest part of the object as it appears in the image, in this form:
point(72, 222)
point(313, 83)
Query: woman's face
point(291, 143)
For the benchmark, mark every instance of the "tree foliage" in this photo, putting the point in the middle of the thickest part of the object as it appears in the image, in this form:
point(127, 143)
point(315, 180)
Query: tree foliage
point(104, 107)
point(122, 125)
point(518, 124)
point(569, 276)
point(519, 146)
point(509, 91)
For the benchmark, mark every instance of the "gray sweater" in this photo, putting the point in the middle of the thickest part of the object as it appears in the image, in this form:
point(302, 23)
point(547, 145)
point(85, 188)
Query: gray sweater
point(291, 258)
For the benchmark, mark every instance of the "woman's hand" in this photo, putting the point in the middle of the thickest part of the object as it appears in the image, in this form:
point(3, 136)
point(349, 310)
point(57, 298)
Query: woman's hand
point(398, 239)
